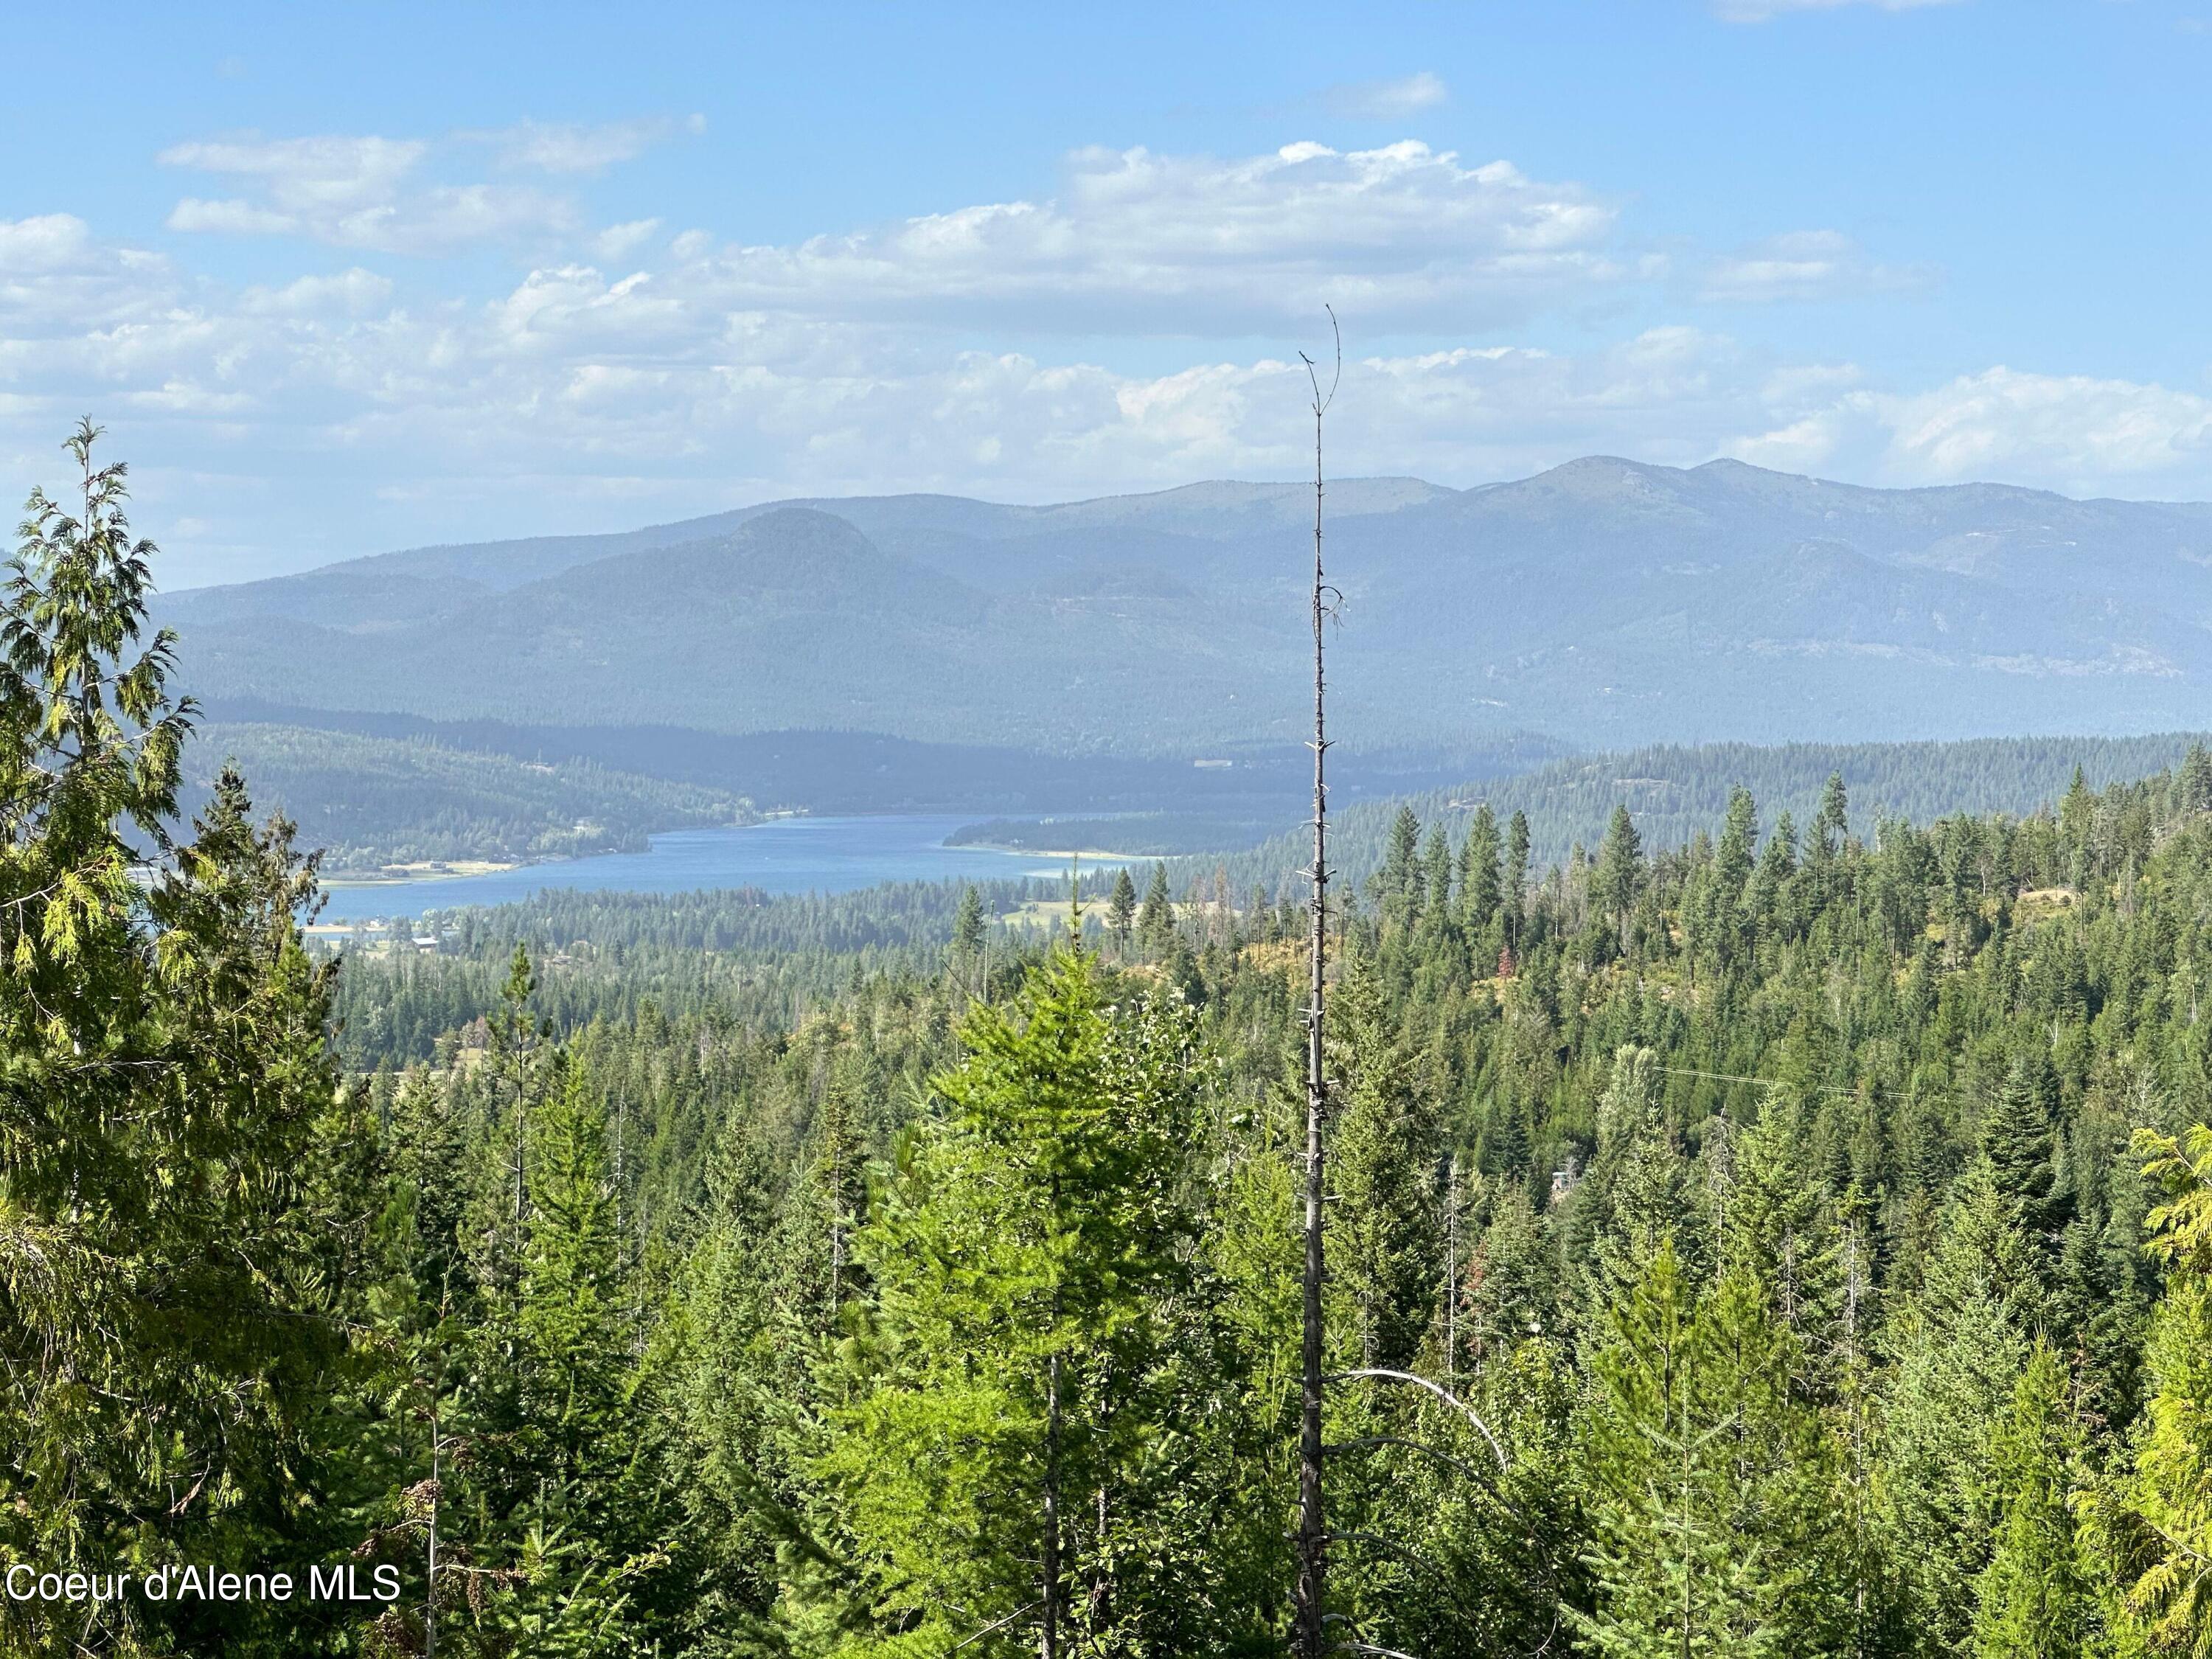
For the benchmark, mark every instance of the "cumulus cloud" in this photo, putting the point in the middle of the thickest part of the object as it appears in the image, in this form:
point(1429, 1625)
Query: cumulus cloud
point(2075, 434)
point(371, 192)
point(50, 241)
point(1386, 100)
point(2074, 430)
point(55, 277)
point(1758, 11)
point(1195, 244)
point(1806, 264)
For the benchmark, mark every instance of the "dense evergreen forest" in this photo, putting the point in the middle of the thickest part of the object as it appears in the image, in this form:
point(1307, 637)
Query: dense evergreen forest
point(1674, 791)
point(1813, 1228)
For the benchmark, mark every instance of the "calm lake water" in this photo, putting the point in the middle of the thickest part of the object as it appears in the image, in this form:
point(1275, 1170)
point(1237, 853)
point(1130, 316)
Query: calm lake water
point(786, 855)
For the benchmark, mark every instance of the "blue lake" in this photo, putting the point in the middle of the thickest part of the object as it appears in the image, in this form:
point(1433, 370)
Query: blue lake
point(786, 856)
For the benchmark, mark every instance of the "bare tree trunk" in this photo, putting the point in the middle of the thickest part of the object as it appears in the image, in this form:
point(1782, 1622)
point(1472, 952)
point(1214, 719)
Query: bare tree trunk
point(430, 1572)
point(1049, 1638)
point(1451, 1273)
point(519, 1153)
point(1049, 1645)
point(1313, 1538)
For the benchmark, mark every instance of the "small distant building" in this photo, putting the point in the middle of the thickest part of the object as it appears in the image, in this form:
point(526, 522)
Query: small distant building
point(1562, 1181)
point(426, 943)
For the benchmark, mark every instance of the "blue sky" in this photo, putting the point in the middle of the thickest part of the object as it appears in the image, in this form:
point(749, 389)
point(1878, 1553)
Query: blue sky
point(339, 283)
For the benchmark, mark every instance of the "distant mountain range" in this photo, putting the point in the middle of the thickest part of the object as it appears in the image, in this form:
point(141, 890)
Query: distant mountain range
point(1602, 604)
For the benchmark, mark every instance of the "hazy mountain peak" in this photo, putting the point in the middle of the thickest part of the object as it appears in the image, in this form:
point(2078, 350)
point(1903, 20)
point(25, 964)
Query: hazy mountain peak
point(1603, 600)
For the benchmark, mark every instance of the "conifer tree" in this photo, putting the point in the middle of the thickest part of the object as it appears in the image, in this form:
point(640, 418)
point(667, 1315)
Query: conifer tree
point(968, 925)
point(1637, 1198)
point(513, 1033)
point(2159, 1525)
point(1436, 875)
point(1156, 921)
point(580, 1521)
point(745, 1395)
point(1517, 874)
point(2021, 1142)
point(2034, 1600)
point(1384, 1162)
point(1616, 878)
point(1481, 880)
point(1832, 826)
point(1958, 1347)
point(1121, 907)
point(1011, 1372)
point(1704, 1475)
point(166, 1345)
point(1399, 885)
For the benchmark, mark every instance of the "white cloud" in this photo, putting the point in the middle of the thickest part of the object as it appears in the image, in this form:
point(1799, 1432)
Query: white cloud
point(57, 279)
point(2074, 430)
point(617, 241)
point(1807, 265)
point(51, 241)
point(2075, 434)
point(230, 218)
point(1386, 100)
point(1758, 11)
point(571, 147)
point(1192, 244)
point(369, 192)
point(320, 176)
point(353, 293)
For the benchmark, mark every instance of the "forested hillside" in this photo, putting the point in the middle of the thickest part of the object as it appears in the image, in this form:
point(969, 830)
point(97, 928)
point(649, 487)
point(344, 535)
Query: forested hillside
point(1801, 1220)
point(369, 802)
point(1674, 792)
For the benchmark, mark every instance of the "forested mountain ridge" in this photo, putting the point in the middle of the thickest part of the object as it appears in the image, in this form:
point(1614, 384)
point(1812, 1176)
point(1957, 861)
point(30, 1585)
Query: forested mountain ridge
point(1604, 602)
point(368, 802)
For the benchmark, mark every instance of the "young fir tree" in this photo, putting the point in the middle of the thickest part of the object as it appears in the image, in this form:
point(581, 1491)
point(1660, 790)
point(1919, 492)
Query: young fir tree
point(1705, 1474)
point(1398, 886)
point(1639, 1196)
point(1435, 876)
point(1957, 1348)
point(2021, 1141)
point(1383, 1236)
point(1009, 1391)
point(562, 1424)
point(512, 1033)
point(2035, 1601)
point(744, 1393)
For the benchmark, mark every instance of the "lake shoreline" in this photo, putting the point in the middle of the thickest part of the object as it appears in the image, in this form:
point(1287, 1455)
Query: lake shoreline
point(780, 857)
